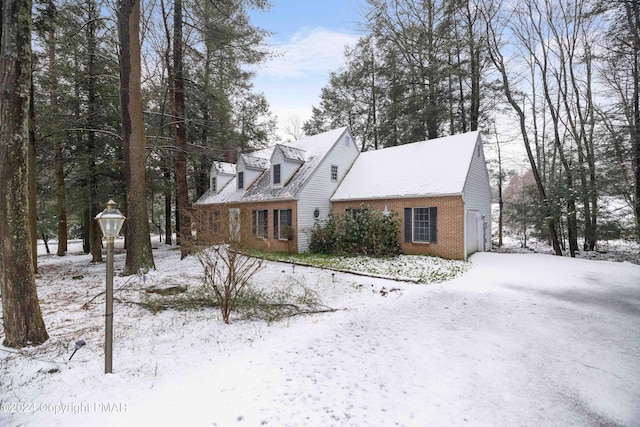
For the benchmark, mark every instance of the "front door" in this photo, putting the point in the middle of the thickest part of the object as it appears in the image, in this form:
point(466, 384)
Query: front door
point(234, 224)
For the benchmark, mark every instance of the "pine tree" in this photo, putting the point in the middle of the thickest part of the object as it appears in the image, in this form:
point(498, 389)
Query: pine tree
point(22, 318)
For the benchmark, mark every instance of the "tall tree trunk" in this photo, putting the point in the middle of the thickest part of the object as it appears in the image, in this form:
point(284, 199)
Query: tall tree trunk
point(498, 61)
point(95, 234)
point(139, 252)
point(167, 207)
point(180, 130)
point(500, 183)
point(22, 318)
point(58, 161)
point(633, 18)
point(33, 190)
point(543, 63)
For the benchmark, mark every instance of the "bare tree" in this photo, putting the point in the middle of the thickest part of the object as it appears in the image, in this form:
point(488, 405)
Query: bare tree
point(497, 57)
point(22, 318)
point(500, 185)
point(293, 128)
point(632, 9)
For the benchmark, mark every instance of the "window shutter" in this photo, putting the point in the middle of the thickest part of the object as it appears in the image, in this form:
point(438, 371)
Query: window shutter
point(265, 223)
point(433, 225)
point(407, 225)
point(254, 222)
point(275, 224)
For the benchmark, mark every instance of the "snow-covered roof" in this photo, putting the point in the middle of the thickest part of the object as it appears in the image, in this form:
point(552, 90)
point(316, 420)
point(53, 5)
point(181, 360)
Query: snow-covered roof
point(310, 150)
point(224, 168)
point(255, 162)
point(433, 167)
point(291, 153)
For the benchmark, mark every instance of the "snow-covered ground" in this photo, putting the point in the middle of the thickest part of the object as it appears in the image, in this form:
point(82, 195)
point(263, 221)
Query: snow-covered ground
point(519, 339)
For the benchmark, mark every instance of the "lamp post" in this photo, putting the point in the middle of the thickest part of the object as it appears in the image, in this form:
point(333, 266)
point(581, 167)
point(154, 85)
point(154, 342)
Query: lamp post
point(110, 220)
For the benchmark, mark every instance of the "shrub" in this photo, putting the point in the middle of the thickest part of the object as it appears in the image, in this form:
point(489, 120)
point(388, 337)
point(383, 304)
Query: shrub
point(357, 232)
point(227, 272)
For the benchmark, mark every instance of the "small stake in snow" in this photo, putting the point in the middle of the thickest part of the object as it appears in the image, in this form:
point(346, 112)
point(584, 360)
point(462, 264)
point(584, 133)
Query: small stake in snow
point(333, 277)
point(79, 345)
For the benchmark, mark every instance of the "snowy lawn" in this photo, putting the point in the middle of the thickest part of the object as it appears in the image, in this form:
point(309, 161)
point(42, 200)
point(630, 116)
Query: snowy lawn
point(411, 268)
point(519, 339)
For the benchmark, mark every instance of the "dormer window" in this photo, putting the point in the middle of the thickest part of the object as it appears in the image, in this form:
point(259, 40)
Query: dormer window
point(240, 180)
point(276, 174)
point(213, 184)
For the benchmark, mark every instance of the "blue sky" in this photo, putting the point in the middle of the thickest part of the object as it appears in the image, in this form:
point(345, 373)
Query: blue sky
point(310, 37)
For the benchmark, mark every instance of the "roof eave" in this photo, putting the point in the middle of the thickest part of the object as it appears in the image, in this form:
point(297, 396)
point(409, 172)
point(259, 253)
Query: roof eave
point(393, 197)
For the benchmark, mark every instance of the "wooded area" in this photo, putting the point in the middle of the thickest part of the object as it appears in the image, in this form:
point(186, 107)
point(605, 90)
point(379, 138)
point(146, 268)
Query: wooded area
point(136, 100)
point(564, 75)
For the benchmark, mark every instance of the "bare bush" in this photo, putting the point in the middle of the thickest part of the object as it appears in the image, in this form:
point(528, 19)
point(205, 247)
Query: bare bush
point(227, 272)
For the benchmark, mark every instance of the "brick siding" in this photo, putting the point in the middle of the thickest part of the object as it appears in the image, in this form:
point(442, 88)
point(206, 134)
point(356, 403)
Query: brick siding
point(207, 232)
point(450, 242)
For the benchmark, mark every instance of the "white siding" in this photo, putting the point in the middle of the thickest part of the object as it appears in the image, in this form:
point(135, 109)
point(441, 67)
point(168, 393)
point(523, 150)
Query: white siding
point(287, 167)
point(250, 176)
point(477, 197)
point(222, 180)
point(277, 158)
point(319, 188)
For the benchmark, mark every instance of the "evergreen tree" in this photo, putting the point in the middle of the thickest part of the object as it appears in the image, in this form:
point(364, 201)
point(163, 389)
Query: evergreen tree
point(22, 318)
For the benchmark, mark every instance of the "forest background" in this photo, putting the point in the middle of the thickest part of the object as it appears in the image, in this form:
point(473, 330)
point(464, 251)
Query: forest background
point(557, 79)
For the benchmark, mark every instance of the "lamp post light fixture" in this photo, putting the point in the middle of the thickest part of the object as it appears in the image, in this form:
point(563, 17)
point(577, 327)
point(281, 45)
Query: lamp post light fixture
point(110, 220)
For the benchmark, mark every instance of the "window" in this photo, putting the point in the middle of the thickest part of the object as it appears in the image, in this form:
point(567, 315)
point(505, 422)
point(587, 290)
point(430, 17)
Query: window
point(421, 225)
point(259, 220)
point(213, 184)
point(334, 173)
point(276, 174)
point(240, 180)
point(282, 223)
point(215, 222)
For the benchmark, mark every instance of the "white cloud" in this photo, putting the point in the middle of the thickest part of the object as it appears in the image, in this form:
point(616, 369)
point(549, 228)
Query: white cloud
point(309, 51)
point(292, 81)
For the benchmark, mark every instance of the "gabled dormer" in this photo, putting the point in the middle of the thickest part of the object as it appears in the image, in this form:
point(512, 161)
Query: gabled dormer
point(220, 175)
point(248, 169)
point(285, 161)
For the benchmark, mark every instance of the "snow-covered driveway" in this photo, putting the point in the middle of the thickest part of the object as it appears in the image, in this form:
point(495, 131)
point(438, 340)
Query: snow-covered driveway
point(519, 340)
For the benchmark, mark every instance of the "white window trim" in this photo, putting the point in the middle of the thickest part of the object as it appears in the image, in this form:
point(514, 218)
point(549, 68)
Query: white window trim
point(258, 228)
point(331, 173)
point(413, 225)
point(273, 175)
point(280, 226)
point(240, 174)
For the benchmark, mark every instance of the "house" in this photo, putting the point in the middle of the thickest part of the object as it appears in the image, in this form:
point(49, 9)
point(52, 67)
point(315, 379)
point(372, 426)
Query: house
point(439, 188)
point(273, 197)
